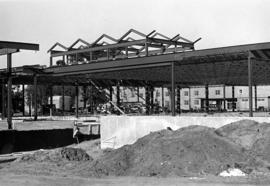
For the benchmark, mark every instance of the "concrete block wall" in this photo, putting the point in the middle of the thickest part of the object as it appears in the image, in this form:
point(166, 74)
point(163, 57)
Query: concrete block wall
point(117, 131)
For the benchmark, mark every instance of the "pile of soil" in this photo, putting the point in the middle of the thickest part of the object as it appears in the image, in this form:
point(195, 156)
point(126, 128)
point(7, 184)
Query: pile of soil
point(62, 154)
point(252, 135)
point(189, 151)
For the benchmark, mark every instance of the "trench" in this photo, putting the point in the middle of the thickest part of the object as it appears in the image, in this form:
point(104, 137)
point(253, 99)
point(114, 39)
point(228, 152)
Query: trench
point(17, 141)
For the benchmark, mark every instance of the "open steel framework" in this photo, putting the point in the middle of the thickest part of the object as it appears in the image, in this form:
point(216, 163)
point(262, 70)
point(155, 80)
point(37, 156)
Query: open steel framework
point(150, 60)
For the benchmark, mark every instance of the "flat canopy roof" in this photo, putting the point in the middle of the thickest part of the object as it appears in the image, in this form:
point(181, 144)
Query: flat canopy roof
point(7, 47)
point(225, 65)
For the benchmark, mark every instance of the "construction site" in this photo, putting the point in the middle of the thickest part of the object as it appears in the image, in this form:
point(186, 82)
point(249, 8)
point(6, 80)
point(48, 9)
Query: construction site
point(95, 133)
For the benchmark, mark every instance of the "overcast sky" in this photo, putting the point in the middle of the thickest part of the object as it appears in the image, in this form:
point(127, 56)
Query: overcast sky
point(218, 22)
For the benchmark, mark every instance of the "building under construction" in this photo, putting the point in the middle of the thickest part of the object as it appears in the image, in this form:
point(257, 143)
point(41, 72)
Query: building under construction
point(150, 60)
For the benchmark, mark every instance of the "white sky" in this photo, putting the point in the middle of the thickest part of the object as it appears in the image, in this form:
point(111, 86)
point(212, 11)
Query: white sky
point(218, 22)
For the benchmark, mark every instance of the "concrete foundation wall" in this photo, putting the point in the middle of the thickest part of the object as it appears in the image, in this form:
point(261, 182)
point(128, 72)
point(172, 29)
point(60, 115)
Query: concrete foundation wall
point(117, 131)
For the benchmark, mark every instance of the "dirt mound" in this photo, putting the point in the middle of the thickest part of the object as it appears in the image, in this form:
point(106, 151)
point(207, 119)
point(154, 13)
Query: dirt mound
point(189, 151)
point(251, 135)
point(63, 154)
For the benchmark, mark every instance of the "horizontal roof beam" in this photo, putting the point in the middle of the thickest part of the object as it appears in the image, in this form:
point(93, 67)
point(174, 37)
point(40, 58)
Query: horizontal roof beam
point(18, 45)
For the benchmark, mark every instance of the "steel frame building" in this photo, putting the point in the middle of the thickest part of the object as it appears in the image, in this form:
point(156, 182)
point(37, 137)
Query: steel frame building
point(154, 60)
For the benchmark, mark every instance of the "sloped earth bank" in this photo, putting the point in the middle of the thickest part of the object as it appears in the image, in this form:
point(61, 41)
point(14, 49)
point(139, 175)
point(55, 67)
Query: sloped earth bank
point(189, 151)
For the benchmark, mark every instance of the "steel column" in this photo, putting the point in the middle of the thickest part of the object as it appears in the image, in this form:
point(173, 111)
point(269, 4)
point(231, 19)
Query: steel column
point(77, 100)
point(63, 99)
point(224, 97)
point(178, 100)
point(189, 98)
point(152, 99)
point(147, 100)
point(206, 98)
point(23, 103)
point(162, 97)
point(173, 89)
point(35, 97)
point(256, 101)
point(3, 115)
point(9, 93)
point(111, 93)
point(51, 101)
point(233, 97)
point(138, 94)
point(118, 95)
point(250, 85)
point(51, 61)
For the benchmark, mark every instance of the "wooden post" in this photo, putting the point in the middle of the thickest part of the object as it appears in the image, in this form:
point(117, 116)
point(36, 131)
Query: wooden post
point(118, 94)
point(162, 98)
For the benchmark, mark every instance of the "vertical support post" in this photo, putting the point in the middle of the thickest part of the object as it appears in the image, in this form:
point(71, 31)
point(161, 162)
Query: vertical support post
point(233, 97)
point(84, 97)
point(90, 56)
point(162, 97)
point(118, 94)
point(126, 52)
point(173, 89)
point(51, 101)
point(3, 115)
point(23, 100)
point(35, 97)
point(147, 99)
point(9, 94)
point(189, 99)
point(63, 58)
point(111, 93)
point(138, 94)
point(250, 85)
point(63, 99)
point(77, 100)
point(206, 98)
point(152, 99)
point(51, 61)
point(108, 54)
point(256, 101)
point(178, 100)
point(91, 99)
point(146, 49)
point(224, 97)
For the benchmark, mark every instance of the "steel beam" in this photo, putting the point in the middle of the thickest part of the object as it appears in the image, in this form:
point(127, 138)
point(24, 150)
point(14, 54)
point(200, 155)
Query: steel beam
point(18, 45)
point(173, 89)
point(250, 81)
point(105, 47)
